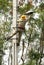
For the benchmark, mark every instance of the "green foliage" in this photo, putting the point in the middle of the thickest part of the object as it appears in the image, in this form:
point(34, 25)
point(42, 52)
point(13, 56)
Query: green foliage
point(25, 8)
point(4, 30)
point(5, 5)
point(34, 55)
point(31, 62)
point(5, 26)
point(41, 6)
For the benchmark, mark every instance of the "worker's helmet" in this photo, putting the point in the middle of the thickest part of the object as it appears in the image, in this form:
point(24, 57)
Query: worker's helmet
point(23, 17)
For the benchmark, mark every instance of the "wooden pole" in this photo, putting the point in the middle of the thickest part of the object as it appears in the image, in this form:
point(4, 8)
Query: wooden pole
point(14, 48)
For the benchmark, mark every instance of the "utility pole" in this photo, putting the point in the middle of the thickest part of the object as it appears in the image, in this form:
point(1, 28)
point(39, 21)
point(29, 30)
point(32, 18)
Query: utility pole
point(14, 47)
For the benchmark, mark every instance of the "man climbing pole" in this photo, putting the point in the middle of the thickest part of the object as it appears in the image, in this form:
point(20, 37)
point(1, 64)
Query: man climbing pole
point(20, 27)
